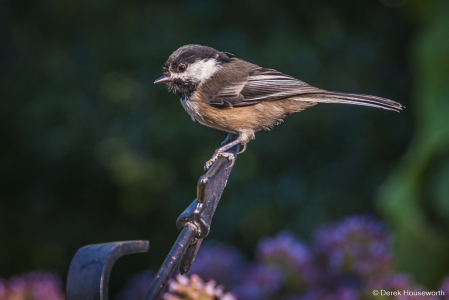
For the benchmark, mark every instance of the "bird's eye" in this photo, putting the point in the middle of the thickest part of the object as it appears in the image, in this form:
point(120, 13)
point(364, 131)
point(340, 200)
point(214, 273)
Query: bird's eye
point(182, 68)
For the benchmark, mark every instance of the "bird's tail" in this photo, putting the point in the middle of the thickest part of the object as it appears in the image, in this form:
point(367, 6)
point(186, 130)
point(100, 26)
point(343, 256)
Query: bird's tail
point(355, 99)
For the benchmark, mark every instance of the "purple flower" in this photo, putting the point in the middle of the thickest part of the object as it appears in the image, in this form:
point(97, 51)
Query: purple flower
point(136, 287)
point(292, 257)
point(445, 288)
point(194, 288)
point(348, 261)
point(216, 261)
point(44, 286)
point(260, 282)
point(3, 289)
point(358, 245)
point(222, 263)
point(340, 293)
point(32, 286)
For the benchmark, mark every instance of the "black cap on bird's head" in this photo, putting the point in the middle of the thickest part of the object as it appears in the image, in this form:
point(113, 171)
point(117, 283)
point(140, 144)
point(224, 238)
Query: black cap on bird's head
point(188, 54)
point(190, 66)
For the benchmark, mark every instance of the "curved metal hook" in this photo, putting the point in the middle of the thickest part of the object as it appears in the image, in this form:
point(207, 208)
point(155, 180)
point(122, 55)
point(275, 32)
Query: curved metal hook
point(90, 269)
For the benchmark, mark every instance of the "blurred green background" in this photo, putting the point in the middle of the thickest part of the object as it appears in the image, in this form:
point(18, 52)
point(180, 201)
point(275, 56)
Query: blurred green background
point(92, 151)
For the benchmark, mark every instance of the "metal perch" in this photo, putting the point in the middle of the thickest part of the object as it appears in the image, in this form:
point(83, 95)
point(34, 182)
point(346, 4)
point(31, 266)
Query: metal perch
point(90, 269)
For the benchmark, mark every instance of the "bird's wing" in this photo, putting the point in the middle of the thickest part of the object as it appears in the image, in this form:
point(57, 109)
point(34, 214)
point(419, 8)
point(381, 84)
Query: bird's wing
point(270, 85)
point(260, 85)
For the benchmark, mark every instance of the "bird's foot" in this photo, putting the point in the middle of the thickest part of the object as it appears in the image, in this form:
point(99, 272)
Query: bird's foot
point(222, 152)
point(214, 158)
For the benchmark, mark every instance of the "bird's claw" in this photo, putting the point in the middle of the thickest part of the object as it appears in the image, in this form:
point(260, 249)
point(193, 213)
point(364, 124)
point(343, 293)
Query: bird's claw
point(214, 158)
point(243, 150)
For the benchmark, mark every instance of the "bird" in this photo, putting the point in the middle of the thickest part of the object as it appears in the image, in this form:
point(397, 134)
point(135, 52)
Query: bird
point(232, 95)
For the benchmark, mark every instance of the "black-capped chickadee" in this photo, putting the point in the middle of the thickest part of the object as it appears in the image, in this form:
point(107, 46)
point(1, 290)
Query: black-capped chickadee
point(241, 98)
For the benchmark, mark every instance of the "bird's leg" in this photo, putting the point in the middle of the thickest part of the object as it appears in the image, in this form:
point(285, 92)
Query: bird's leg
point(221, 152)
point(229, 138)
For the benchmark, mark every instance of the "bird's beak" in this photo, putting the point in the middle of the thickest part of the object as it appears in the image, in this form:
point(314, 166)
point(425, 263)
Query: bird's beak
point(163, 79)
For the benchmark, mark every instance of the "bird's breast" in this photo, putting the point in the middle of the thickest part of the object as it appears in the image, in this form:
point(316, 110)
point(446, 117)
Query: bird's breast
point(203, 114)
point(192, 108)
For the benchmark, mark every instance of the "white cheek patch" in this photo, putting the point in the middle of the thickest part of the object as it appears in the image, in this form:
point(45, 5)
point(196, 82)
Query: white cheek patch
point(199, 71)
point(202, 70)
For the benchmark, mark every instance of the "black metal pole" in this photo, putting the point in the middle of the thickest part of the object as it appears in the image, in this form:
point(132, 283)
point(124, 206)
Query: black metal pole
point(194, 222)
point(171, 262)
